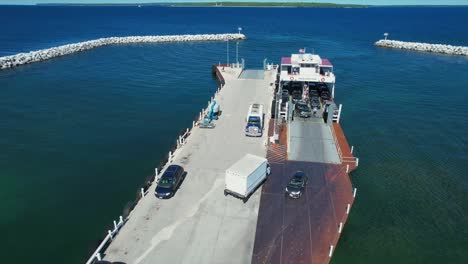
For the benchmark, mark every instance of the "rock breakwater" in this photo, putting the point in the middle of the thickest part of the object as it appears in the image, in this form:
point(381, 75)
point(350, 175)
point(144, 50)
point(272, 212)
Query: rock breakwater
point(7, 62)
point(417, 46)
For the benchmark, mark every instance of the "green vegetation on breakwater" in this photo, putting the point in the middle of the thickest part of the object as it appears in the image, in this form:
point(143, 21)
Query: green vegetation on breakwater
point(269, 4)
point(218, 4)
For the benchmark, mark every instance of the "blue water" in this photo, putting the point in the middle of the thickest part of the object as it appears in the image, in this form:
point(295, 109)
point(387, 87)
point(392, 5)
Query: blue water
point(80, 134)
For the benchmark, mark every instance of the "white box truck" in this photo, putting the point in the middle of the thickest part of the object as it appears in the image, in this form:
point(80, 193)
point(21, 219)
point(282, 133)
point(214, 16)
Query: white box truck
point(245, 176)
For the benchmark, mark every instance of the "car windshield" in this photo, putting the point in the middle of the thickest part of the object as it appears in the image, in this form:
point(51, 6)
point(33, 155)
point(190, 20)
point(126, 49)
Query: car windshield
point(295, 182)
point(166, 182)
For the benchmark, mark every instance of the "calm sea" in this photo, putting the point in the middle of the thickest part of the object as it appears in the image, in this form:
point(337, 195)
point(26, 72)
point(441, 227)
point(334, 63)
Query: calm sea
point(80, 134)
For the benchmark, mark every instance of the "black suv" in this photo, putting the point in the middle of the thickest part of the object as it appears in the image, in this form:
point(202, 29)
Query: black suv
point(169, 181)
point(303, 109)
point(296, 185)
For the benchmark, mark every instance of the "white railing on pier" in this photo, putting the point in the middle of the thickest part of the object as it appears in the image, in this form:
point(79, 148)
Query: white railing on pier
point(110, 235)
point(181, 141)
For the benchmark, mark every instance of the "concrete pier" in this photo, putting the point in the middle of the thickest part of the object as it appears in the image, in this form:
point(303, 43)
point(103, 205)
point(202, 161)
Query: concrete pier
point(7, 62)
point(199, 224)
point(417, 46)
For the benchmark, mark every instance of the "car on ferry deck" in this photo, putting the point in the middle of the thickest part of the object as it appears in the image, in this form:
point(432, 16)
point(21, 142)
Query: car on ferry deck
point(169, 182)
point(303, 109)
point(296, 185)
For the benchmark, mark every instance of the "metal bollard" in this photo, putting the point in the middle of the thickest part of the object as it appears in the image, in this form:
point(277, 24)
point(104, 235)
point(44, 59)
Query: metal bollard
point(98, 256)
point(331, 251)
point(352, 148)
point(348, 207)
point(170, 156)
point(156, 172)
point(357, 162)
point(354, 192)
point(340, 227)
point(347, 168)
point(193, 124)
point(120, 220)
point(115, 225)
point(142, 192)
point(110, 234)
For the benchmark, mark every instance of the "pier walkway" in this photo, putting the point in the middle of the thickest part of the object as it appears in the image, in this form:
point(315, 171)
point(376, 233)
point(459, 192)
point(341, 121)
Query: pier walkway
point(199, 224)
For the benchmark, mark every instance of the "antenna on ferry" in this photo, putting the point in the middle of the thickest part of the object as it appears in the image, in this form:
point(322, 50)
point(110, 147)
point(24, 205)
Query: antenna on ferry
point(385, 35)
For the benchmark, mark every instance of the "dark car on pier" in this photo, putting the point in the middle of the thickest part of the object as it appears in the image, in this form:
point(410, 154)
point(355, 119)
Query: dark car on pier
point(296, 185)
point(169, 182)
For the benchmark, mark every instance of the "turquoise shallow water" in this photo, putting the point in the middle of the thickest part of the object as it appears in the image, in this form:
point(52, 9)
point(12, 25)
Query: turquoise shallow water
point(80, 134)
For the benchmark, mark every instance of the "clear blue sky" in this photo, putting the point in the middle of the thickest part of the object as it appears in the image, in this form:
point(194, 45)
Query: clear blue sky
point(369, 2)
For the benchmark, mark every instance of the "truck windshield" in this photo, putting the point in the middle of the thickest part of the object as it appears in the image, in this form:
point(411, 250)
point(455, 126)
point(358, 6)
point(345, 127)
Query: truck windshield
point(254, 120)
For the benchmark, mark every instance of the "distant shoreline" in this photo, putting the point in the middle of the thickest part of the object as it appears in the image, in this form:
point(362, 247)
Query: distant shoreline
point(240, 5)
point(224, 4)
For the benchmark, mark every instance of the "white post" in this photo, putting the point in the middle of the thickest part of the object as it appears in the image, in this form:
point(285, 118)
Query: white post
point(227, 51)
point(98, 256)
point(170, 156)
point(354, 192)
point(331, 251)
point(193, 124)
point(352, 149)
point(237, 52)
point(357, 162)
point(156, 172)
point(120, 220)
point(142, 192)
point(339, 113)
point(348, 207)
point(115, 225)
point(340, 227)
point(110, 234)
point(347, 168)
point(333, 91)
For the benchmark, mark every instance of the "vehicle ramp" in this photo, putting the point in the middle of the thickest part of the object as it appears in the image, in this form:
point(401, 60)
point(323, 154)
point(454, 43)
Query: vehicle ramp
point(312, 140)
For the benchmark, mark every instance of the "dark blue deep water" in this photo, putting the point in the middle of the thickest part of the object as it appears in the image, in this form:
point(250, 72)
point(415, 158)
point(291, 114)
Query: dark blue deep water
point(79, 134)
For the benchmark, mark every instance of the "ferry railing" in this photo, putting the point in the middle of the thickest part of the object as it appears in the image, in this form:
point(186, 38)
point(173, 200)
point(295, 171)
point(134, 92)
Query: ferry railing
point(344, 214)
point(344, 159)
